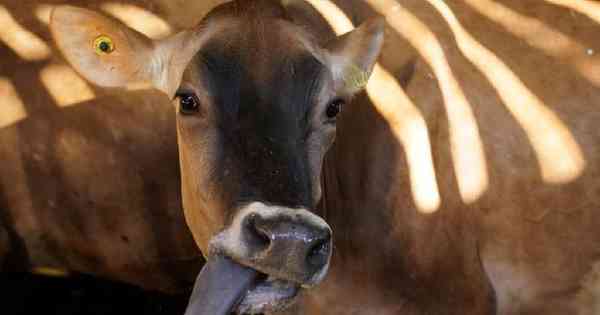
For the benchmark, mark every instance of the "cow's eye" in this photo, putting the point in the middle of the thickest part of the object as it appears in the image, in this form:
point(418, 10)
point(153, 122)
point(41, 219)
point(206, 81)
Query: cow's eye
point(188, 104)
point(334, 108)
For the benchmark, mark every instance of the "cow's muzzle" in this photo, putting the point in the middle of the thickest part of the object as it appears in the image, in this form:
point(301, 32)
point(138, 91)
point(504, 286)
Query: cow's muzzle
point(259, 263)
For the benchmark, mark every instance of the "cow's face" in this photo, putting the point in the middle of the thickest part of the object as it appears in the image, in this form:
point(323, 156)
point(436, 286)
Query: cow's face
point(256, 102)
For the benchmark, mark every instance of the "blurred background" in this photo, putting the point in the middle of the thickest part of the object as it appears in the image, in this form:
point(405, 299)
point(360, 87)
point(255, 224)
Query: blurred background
point(24, 293)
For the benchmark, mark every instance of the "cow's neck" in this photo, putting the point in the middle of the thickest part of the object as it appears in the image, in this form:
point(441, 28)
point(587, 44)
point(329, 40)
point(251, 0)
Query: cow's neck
point(385, 249)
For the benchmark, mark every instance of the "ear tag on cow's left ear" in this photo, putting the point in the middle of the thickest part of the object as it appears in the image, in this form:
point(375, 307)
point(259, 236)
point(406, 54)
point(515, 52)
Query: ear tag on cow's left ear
point(103, 45)
point(356, 78)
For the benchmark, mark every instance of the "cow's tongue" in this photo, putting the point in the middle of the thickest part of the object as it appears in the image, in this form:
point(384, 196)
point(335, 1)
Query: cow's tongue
point(219, 287)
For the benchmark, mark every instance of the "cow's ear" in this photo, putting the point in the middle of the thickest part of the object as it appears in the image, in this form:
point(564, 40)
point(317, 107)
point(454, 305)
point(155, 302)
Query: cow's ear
point(108, 53)
point(352, 56)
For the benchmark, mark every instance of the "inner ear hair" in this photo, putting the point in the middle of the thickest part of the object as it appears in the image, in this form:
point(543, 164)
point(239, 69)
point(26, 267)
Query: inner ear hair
point(354, 54)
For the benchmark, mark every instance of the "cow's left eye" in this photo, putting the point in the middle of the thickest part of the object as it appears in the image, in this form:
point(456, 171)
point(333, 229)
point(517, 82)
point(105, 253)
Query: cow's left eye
point(188, 104)
point(334, 108)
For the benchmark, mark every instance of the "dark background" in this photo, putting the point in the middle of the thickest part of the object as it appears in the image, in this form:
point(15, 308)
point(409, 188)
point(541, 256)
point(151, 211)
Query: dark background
point(23, 293)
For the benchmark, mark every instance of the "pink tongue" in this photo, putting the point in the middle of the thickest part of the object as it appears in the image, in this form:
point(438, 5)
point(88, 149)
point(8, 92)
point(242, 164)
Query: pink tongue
point(219, 287)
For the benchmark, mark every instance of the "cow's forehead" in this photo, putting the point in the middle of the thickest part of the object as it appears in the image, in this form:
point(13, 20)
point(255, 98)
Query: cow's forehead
point(240, 80)
point(247, 10)
point(260, 48)
point(261, 66)
point(259, 34)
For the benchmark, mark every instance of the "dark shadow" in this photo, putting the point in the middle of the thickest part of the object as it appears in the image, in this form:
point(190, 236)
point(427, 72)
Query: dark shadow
point(15, 256)
point(83, 295)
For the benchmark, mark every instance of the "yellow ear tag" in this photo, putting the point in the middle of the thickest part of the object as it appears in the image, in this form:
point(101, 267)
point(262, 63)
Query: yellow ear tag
point(356, 78)
point(103, 45)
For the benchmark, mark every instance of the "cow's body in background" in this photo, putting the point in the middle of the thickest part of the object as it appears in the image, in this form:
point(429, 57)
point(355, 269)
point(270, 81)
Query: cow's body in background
point(91, 201)
point(85, 190)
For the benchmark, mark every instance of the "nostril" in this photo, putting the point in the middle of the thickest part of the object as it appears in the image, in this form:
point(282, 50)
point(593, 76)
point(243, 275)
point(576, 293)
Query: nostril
point(256, 233)
point(318, 254)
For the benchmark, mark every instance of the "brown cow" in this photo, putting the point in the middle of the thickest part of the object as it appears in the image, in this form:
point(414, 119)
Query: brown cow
point(515, 237)
point(257, 99)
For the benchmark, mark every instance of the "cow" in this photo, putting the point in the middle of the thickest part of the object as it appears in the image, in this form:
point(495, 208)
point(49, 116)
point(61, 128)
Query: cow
point(497, 234)
point(256, 113)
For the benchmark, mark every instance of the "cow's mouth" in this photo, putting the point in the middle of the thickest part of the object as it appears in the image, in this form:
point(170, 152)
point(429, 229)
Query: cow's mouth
point(268, 295)
point(225, 287)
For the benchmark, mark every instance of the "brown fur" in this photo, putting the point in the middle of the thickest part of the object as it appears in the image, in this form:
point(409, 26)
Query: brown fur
point(544, 237)
point(388, 257)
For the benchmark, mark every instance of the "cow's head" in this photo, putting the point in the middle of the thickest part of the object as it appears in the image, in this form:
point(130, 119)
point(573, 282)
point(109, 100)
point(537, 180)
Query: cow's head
point(256, 101)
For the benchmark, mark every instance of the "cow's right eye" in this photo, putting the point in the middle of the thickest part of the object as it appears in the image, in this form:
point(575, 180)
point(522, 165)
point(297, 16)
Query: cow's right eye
point(188, 104)
point(334, 108)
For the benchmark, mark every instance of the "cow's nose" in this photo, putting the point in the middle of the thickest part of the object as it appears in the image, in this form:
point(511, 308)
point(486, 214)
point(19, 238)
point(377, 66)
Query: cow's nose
point(284, 243)
point(281, 237)
point(293, 247)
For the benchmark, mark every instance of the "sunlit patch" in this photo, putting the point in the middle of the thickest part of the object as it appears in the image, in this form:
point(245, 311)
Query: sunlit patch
point(560, 157)
point(139, 19)
point(407, 123)
point(136, 86)
point(12, 108)
point(66, 87)
point(42, 12)
point(50, 272)
point(23, 42)
point(541, 36)
point(585, 7)
point(465, 142)
point(335, 17)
